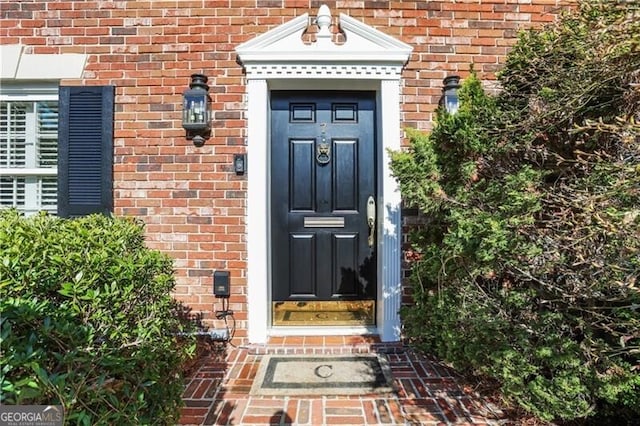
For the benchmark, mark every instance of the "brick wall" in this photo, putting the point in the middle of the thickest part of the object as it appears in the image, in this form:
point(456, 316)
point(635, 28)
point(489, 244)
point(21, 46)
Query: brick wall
point(192, 202)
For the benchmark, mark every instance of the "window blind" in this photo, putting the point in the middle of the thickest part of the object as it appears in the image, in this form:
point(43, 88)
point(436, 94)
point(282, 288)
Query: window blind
point(28, 155)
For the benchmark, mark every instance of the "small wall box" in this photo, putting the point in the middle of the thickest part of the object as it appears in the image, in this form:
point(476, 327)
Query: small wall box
point(221, 284)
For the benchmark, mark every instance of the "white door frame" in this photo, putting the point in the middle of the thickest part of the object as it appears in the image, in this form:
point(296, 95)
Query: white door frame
point(369, 60)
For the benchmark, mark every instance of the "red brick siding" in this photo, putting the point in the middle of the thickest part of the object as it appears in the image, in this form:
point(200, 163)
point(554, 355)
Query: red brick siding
point(192, 202)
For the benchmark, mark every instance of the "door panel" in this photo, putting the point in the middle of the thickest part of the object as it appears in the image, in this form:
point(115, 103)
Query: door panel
point(302, 272)
point(345, 172)
point(302, 188)
point(345, 250)
point(322, 172)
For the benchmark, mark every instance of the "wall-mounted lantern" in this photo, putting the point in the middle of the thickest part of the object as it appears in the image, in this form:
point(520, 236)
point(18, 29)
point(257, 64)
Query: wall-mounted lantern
point(449, 99)
point(196, 110)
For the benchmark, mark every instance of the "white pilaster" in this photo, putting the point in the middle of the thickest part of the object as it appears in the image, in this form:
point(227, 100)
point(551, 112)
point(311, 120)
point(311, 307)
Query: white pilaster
point(390, 298)
point(257, 211)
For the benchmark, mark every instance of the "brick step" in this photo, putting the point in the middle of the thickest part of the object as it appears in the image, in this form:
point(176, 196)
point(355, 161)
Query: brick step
point(324, 345)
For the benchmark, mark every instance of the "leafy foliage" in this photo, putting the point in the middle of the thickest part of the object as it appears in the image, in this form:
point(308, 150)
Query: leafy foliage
point(529, 259)
point(88, 321)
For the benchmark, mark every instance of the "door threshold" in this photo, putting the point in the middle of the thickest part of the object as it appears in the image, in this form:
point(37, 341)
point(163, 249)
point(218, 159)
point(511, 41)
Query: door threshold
point(322, 331)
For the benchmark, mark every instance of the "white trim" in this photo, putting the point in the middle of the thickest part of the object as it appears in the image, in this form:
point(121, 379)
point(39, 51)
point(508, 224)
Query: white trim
point(364, 45)
point(33, 178)
point(18, 65)
point(258, 271)
point(10, 55)
point(17, 171)
point(257, 48)
point(28, 91)
point(337, 71)
point(368, 60)
point(390, 298)
point(371, 85)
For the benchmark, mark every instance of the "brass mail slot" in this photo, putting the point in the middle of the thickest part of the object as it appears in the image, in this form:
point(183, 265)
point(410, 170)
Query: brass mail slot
point(324, 222)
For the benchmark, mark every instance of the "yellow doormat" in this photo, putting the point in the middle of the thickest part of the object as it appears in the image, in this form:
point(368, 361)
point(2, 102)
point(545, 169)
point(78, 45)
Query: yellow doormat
point(357, 374)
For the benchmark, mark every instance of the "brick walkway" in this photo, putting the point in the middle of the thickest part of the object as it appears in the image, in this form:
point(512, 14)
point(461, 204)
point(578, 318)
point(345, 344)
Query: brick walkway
point(428, 394)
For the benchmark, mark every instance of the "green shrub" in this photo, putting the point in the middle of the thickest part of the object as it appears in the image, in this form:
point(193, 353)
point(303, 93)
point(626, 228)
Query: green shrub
point(529, 260)
point(87, 320)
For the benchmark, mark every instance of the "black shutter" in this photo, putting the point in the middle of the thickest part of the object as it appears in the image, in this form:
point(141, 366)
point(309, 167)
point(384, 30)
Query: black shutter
point(85, 150)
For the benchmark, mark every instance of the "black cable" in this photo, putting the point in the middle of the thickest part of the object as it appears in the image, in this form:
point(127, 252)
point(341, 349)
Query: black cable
point(231, 332)
point(223, 314)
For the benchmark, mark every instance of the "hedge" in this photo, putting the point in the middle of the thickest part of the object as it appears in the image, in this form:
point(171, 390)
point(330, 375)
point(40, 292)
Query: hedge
point(526, 270)
point(88, 321)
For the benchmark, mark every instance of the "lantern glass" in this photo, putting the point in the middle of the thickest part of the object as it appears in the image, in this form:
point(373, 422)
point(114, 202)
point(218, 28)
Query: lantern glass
point(449, 99)
point(195, 107)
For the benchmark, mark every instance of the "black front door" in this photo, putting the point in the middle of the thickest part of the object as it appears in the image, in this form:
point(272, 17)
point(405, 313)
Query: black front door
point(323, 195)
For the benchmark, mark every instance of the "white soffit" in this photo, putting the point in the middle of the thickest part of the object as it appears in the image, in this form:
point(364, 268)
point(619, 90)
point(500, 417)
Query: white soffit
point(18, 65)
point(281, 51)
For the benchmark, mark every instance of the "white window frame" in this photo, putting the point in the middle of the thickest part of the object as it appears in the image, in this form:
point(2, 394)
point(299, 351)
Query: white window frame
point(30, 92)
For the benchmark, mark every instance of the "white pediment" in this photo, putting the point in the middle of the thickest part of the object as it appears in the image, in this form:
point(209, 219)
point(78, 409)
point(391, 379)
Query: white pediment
point(283, 47)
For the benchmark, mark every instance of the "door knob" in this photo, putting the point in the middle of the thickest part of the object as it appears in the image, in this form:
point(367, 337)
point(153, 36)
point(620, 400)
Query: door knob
point(371, 218)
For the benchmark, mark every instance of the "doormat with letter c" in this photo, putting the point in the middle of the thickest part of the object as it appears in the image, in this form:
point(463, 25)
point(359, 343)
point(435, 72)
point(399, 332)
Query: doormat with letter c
point(356, 374)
